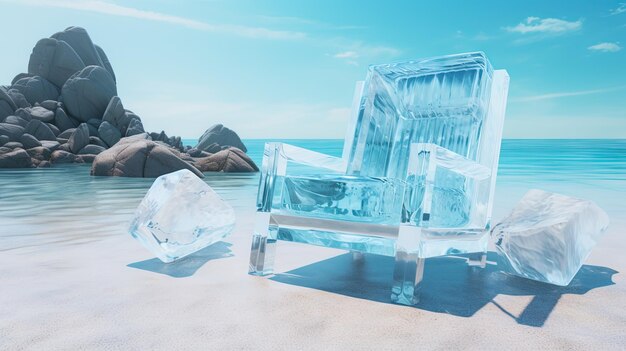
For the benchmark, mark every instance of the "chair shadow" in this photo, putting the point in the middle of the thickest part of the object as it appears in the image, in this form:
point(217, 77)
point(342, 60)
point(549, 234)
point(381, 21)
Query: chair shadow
point(449, 285)
point(187, 266)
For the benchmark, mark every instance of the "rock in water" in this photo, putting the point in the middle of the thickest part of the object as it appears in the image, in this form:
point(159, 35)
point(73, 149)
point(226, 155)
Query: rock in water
point(105, 60)
point(180, 215)
point(87, 93)
point(91, 150)
point(228, 160)
point(222, 136)
point(547, 236)
point(60, 156)
point(79, 139)
point(54, 60)
point(36, 89)
point(109, 134)
point(138, 157)
point(17, 158)
point(40, 130)
point(80, 41)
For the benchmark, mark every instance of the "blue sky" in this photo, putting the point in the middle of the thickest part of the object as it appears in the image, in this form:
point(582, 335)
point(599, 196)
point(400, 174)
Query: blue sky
point(286, 69)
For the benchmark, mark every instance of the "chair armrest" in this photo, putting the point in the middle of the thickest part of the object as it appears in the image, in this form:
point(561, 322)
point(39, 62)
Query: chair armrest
point(442, 188)
point(276, 158)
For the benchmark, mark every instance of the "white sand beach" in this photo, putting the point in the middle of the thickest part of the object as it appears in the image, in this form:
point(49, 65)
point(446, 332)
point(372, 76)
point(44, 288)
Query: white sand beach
point(107, 292)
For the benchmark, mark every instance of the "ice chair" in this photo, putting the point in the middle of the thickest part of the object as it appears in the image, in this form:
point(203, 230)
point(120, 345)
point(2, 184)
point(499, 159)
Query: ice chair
point(416, 179)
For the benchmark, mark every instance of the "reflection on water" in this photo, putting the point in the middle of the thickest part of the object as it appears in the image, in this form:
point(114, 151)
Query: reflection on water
point(66, 205)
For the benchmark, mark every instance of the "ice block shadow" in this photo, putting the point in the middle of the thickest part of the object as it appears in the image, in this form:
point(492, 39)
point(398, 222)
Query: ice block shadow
point(449, 286)
point(185, 267)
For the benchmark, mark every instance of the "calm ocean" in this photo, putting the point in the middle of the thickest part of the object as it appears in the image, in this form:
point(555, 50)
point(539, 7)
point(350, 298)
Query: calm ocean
point(64, 205)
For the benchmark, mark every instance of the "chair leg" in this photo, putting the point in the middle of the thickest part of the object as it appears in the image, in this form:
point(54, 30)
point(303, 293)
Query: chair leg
point(408, 274)
point(477, 259)
point(263, 247)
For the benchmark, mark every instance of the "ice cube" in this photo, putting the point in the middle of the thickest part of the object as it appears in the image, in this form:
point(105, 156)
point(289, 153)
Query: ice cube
point(548, 236)
point(180, 215)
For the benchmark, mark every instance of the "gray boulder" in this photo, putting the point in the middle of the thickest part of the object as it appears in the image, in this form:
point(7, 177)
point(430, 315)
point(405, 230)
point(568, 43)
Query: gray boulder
point(18, 121)
point(60, 156)
point(134, 127)
point(79, 139)
point(4, 139)
point(18, 98)
point(29, 141)
point(17, 158)
point(91, 150)
point(50, 144)
point(105, 61)
point(36, 89)
point(138, 157)
point(54, 60)
point(222, 136)
point(49, 105)
point(23, 113)
point(13, 145)
point(66, 134)
point(80, 41)
point(40, 113)
point(97, 141)
point(7, 106)
point(116, 115)
point(62, 121)
point(87, 93)
point(109, 134)
point(20, 76)
point(54, 129)
point(14, 132)
point(39, 153)
point(228, 160)
point(40, 130)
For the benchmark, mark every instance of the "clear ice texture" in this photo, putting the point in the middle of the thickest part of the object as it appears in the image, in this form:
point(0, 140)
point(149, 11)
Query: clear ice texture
point(454, 102)
point(180, 215)
point(548, 236)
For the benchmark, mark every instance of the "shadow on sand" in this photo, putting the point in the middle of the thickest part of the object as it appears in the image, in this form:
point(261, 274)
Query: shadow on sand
point(449, 286)
point(185, 267)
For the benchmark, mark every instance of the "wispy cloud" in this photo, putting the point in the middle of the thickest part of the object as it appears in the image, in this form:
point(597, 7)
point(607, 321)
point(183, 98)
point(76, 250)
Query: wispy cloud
point(545, 26)
point(346, 55)
point(351, 52)
point(619, 9)
point(289, 20)
point(112, 9)
point(566, 94)
point(605, 47)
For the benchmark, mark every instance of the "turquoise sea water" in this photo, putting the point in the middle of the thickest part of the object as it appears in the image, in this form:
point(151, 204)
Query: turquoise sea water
point(66, 205)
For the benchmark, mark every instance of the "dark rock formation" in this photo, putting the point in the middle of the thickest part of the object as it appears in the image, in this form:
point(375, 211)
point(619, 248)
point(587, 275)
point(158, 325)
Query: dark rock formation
point(36, 89)
point(227, 160)
point(222, 136)
point(66, 110)
point(54, 60)
point(138, 157)
point(79, 139)
point(87, 93)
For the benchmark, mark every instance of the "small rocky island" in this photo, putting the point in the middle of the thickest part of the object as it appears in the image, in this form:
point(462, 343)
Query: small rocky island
point(66, 110)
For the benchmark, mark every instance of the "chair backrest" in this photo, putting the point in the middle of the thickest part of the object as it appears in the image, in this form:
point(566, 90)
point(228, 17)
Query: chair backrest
point(456, 102)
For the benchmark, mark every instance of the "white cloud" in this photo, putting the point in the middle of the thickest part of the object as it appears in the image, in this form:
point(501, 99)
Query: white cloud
point(565, 94)
point(545, 25)
point(619, 9)
point(112, 9)
point(346, 55)
point(605, 47)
